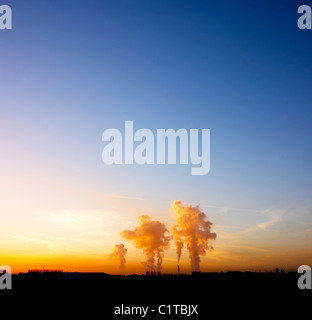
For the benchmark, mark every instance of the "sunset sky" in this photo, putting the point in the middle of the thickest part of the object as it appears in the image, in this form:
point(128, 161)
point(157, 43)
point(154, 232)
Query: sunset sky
point(71, 69)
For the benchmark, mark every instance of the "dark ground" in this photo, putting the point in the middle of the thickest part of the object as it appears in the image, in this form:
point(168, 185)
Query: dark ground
point(95, 295)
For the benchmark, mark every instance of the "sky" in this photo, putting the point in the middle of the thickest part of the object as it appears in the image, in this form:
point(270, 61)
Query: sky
point(70, 70)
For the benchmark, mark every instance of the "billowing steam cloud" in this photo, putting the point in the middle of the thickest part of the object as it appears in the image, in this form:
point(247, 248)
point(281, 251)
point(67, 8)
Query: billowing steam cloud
point(119, 254)
point(192, 228)
point(151, 237)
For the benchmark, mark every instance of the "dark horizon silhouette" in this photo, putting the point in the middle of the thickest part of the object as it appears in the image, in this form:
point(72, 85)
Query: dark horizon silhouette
point(228, 293)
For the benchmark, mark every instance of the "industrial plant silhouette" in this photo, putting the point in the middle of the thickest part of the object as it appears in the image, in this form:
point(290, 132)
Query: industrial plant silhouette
point(232, 293)
point(192, 229)
point(228, 294)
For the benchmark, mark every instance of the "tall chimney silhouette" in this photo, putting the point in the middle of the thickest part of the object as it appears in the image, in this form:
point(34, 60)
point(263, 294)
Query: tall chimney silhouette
point(178, 269)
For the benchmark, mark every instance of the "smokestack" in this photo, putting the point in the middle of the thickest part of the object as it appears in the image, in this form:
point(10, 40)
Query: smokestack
point(178, 269)
point(150, 236)
point(192, 228)
point(119, 254)
point(194, 273)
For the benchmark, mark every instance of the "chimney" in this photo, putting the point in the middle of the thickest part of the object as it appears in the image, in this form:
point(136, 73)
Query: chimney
point(178, 269)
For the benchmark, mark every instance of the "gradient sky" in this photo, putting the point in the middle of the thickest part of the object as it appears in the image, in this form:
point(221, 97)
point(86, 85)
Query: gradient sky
point(71, 69)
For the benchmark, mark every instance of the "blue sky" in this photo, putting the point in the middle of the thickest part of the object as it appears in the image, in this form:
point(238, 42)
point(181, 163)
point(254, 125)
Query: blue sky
point(70, 70)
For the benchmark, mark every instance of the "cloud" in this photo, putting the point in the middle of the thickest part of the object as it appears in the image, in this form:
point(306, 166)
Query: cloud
point(119, 254)
point(192, 228)
point(151, 237)
point(273, 217)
